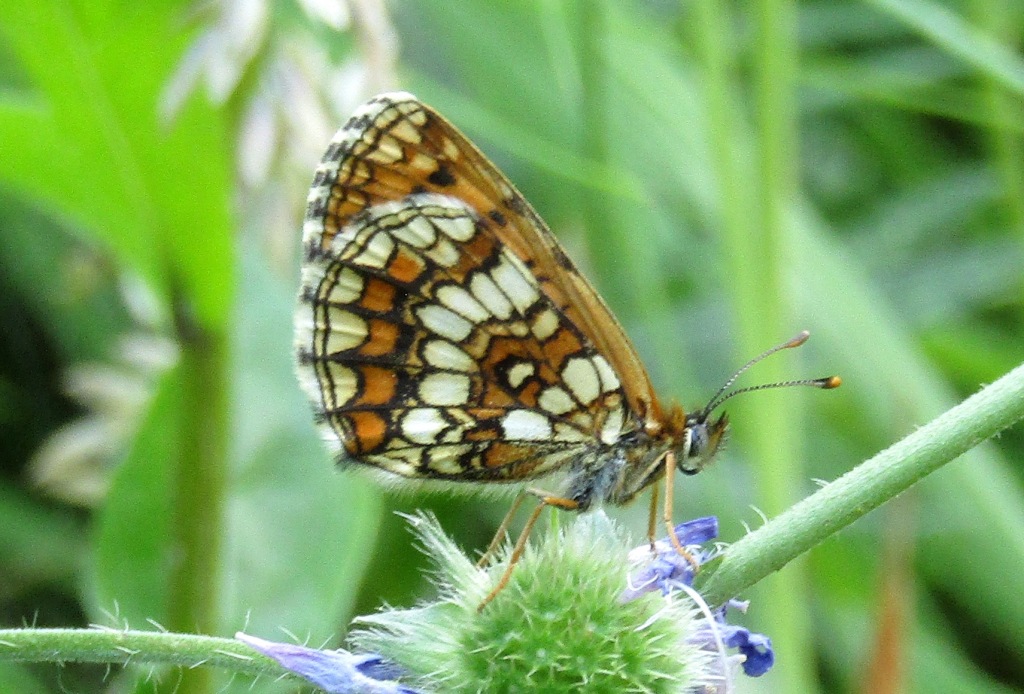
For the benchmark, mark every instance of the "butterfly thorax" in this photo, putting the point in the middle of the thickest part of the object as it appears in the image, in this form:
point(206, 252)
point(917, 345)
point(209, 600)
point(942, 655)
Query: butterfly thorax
point(616, 474)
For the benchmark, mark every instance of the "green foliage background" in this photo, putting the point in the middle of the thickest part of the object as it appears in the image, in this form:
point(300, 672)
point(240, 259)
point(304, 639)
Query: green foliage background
point(728, 173)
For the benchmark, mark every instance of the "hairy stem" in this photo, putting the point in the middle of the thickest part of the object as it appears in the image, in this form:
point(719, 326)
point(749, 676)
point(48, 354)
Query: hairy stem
point(867, 487)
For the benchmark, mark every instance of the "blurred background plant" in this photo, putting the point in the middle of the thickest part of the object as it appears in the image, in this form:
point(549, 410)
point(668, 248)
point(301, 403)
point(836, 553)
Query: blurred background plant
point(727, 173)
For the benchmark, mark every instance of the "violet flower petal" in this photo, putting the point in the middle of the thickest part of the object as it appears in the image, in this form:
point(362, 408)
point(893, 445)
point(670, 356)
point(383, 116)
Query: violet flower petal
point(334, 671)
point(757, 649)
point(668, 568)
point(698, 531)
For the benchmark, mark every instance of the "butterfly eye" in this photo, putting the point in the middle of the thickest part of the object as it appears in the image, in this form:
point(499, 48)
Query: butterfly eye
point(701, 443)
point(689, 455)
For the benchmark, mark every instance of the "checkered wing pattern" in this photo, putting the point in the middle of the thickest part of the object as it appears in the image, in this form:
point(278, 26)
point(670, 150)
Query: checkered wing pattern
point(442, 333)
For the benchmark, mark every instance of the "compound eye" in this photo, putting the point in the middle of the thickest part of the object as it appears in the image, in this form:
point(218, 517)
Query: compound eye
point(689, 460)
point(700, 444)
point(698, 440)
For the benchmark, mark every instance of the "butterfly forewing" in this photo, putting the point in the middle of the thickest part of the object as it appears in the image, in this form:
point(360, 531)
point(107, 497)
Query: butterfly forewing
point(441, 331)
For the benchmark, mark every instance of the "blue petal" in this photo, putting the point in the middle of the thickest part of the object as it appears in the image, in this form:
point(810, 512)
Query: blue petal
point(697, 531)
point(376, 667)
point(757, 649)
point(336, 672)
point(668, 568)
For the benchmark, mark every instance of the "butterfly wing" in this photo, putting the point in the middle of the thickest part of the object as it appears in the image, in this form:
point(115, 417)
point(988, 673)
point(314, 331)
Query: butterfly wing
point(442, 332)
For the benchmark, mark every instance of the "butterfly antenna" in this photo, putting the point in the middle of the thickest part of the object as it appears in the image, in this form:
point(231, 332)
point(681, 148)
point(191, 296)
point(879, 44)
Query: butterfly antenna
point(825, 383)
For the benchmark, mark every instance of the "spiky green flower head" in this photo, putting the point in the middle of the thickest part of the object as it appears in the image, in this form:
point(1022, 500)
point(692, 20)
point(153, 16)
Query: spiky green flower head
point(562, 624)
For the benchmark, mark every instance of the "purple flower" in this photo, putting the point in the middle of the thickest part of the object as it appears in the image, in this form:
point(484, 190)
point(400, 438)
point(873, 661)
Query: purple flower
point(756, 649)
point(667, 568)
point(334, 671)
point(670, 572)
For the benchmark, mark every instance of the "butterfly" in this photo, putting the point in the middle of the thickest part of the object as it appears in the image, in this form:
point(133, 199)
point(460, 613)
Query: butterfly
point(443, 334)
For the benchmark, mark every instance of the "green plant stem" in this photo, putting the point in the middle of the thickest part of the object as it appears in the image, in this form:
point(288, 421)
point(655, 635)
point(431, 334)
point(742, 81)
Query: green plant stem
point(606, 244)
point(775, 443)
point(610, 245)
point(866, 487)
point(998, 21)
point(198, 493)
point(132, 647)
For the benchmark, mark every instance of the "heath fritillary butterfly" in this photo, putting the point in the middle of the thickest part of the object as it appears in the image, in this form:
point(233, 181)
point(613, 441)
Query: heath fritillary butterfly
point(443, 334)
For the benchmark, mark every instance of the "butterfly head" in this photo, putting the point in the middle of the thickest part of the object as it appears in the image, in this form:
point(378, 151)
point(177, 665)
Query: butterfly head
point(702, 437)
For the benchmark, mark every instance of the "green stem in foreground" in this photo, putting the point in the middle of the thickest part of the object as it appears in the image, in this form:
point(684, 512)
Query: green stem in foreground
point(198, 486)
point(129, 646)
point(765, 550)
point(866, 487)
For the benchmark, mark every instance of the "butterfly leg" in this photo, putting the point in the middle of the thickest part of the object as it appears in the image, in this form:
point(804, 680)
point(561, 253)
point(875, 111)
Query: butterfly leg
point(499, 535)
point(546, 499)
point(652, 517)
point(670, 469)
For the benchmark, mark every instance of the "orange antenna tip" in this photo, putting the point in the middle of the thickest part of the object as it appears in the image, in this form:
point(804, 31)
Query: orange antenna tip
point(797, 341)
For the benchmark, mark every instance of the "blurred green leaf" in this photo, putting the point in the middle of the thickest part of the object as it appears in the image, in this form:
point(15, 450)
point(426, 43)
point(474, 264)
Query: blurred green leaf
point(960, 38)
point(939, 661)
point(86, 144)
point(38, 545)
point(16, 678)
point(132, 556)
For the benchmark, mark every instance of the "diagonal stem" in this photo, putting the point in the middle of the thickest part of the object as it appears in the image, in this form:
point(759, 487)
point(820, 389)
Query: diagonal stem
point(866, 487)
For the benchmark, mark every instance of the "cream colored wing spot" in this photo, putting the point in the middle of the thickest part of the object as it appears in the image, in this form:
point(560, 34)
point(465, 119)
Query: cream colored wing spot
point(488, 294)
point(423, 425)
point(611, 428)
point(444, 389)
point(519, 372)
point(525, 425)
point(416, 231)
point(338, 384)
point(443, 322)
point(451, 150)
point(377, 252)
point(545, 324)
point(386, 150)
point(517, 328)
point(512, 277)
point(346, 330)
point(423, 163)
point(442, 354)
point(445, 459)
point(443, 252)
point(345, 287)
point(356, 172)
point(609, 380)
point(581, 377)
point(459, 229)
point(462, 302)
point(571, 434)
point(556, 400)
point(411, 108)
point(328, 317)
point(404, 130)
point(404, 463)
